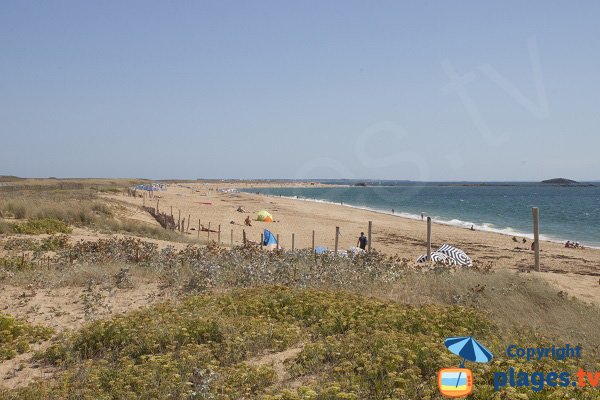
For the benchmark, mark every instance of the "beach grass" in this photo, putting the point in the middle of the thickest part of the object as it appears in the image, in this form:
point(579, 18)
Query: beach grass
point(57, 211)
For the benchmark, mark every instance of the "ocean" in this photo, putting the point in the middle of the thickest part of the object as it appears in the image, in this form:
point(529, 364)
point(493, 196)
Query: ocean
point(566, 212)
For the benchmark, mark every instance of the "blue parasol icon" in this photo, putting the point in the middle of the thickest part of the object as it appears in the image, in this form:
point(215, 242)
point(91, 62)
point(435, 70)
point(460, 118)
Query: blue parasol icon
point(469, 349)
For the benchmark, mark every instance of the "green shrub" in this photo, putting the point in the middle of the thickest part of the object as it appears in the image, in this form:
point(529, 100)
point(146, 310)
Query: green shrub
point(353, 347)
point(16, 336)
point(39, 226)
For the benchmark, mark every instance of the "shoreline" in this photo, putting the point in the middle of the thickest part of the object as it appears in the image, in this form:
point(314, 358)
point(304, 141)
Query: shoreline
point(575, 271)
point(508, 231)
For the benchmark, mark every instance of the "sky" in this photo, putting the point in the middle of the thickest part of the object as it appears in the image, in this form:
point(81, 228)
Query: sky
point(419, 90)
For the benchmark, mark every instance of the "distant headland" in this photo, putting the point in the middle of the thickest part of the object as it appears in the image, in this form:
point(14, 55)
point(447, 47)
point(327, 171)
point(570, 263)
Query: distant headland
point(564, 182)
point(560, 181)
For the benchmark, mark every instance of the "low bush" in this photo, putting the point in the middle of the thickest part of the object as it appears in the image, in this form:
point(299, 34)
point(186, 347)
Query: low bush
point(16, 336)
point(39, 226)
point(352, 347)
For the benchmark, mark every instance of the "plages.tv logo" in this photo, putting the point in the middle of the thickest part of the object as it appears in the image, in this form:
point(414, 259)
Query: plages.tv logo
point(458, 382)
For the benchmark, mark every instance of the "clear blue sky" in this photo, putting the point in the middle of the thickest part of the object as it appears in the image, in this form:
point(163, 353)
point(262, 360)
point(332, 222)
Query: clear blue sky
point(290, 89)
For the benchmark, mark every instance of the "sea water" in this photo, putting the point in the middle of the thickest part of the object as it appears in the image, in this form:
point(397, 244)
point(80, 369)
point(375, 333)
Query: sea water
point(566, 212)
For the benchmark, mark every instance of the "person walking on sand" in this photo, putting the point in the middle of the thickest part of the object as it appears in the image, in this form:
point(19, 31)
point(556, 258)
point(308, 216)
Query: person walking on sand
point(362, 241)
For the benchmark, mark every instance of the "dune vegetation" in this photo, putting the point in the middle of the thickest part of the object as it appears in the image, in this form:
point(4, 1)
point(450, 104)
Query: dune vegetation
point(53, 211)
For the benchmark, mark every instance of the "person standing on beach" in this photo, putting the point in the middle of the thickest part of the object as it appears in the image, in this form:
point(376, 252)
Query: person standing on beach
point(422, 215)
point(362, 241)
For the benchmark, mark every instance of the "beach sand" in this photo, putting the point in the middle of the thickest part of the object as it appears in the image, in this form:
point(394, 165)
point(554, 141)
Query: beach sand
point(576, 271)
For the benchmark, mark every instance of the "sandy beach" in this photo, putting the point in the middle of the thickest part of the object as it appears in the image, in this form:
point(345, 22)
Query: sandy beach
point(576, 271)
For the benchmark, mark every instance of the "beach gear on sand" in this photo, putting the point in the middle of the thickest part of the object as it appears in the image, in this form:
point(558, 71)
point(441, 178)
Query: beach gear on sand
point(264, 216)
point(356, 251)
point(321, 250)
point(437, 258)
point(448, 255)
point(269, 240)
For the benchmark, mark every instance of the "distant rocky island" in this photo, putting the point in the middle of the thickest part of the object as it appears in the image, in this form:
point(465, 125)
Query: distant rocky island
point(564, 182)
point(560, 181)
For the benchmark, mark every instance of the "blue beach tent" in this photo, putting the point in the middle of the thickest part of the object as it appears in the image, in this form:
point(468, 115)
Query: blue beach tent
point(269, 240)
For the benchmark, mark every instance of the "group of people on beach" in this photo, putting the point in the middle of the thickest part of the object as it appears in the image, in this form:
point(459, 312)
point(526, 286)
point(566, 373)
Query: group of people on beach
point(569, 244)
point(573, 245)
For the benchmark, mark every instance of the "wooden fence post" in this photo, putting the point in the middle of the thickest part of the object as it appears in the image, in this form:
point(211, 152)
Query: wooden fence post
point(536, 237)
point(198, 228)
point(219, 235)
point(278, 247)
point(337, 235)
point(262, 239)
point(429, 239)
point(244, 236)
point(293, 237)
point(208, 232)
point(232, 238)
point(369, 237)
point(313, 241)
point(188, 224)
point(179, 221)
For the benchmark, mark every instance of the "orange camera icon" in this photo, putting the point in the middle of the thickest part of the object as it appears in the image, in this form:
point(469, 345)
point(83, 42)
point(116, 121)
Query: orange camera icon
point(455, 382)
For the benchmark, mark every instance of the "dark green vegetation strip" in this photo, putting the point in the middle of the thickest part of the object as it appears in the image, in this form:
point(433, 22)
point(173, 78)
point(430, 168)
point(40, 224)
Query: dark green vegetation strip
point(36, 227)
